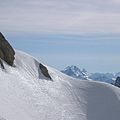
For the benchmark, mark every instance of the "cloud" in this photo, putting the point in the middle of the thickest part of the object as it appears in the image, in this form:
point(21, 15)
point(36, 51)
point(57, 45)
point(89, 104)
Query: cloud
point(60, 17)
point(116, 1)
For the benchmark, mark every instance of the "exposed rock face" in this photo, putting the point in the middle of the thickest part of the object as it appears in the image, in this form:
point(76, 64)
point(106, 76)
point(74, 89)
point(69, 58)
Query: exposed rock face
point(44, 71)
point(6, 51)
point(1, 63)
point(117, 82)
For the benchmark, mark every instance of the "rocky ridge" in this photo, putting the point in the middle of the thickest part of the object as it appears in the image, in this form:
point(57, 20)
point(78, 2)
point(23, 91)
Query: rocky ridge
point(6, 51)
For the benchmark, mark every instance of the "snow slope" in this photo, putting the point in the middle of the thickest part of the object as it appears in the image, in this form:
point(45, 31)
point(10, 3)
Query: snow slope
point(25, 94)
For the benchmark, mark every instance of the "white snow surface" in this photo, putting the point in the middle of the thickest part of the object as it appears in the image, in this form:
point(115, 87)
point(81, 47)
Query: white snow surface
point(25, 94)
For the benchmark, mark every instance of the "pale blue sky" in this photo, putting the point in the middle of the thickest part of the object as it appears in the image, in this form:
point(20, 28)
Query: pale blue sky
point(65, 32)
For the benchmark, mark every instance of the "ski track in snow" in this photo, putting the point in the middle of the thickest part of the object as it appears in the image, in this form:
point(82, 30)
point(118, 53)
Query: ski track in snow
point(27, 95)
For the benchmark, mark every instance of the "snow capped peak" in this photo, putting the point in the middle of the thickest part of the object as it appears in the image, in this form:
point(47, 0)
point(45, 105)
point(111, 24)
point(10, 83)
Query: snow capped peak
point(73, 69)
point(75, 72)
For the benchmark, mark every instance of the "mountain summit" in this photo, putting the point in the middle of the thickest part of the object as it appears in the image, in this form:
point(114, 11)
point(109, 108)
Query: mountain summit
point(75, 72)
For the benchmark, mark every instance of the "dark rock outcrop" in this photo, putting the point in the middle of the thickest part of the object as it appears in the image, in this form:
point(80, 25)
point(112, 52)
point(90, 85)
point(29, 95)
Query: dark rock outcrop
point(1, 63)
point(117, 82)
point(6, 51)
point(44, 71)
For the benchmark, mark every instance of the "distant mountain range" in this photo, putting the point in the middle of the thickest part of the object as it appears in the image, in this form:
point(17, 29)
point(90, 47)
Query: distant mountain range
point(83, 74)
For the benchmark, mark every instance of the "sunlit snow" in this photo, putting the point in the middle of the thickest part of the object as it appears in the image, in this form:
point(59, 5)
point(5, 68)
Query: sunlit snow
point(25, 94)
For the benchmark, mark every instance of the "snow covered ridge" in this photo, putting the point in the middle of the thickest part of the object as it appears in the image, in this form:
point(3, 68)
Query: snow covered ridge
point(26, 94)
point(85, 75)
point(30, 67)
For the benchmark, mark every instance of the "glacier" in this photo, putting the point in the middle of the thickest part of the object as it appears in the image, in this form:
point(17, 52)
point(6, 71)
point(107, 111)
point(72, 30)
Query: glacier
point(26, 94)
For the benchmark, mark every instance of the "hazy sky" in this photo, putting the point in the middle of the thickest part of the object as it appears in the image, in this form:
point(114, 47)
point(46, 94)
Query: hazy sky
point(85, 33)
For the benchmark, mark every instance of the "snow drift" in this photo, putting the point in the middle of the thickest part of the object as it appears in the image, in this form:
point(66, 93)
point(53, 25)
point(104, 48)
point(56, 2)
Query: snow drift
point(26, 94)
